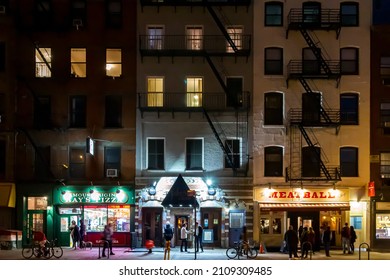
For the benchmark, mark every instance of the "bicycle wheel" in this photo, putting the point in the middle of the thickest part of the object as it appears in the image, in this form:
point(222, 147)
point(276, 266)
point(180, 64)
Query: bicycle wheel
point(47, 253)
point(231, 252)
point(251, 253)
point(57, 252)
point(27, 252)
point(37, 251)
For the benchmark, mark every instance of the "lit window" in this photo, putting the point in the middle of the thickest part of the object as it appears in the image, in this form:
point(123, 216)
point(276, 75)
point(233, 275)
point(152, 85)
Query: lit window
point(194, 37)
point(235, 34)
point(43, 62)
point(114, 62)
point(155, 38)
point(155, 92)
point(194, 92)
point(78, 63)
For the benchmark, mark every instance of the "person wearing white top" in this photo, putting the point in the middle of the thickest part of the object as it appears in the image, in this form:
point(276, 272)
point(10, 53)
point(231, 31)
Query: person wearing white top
point(183, 237)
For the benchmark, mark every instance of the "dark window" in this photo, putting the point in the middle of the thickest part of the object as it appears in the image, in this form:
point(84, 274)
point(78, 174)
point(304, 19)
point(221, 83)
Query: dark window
point(273, 14)
point(385, 117)
point(273, 108)
point(112, 158)
point(349, 61)
point(311, 162)
point(194, 154)
point(78, 111)
point(311, 13)
point(42, 113)
point(273, 161)
point(2, 56)
point(42, 163)
point(113, 111)
point(273, 61)
point(43, 14)
point(233, 148)
point(156, 148)
point(114, 13)
point(349, 14)
point(79, 13)
point(77, 163)
point(385, 70)
point(311, 108)
point(3, 158)
point(311, 65)
point(349, 162)
point(349, 108)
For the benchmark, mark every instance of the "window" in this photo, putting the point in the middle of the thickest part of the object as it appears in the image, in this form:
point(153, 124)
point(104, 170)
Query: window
point(112, 159)
point(356, 222)
point(77, 163)
point(349, 162)
point(385, 165)
point(349, 14)
point(311, 161)
point(194, 35)
point(96, 217)
point(155, 37)
point(194, 154)
point(273, 61)
point(264, 225)
point(233, 146)
point(43, 13)
point(235, 34)
point(349, 61)
point(43, 62)
point(3, 158)
point(78, 63)
point(156, 153)
point(273, 14)
point(349, 108)
point(194, 92)
point(113, 109)
point(114, 13)
point(385, 70)
point(311, 13)
point(155, 92)
point(382, 224)
point(2, 56)
point(273, 161)
point(311, 65)
point(113, 63)
point(2, 108)
point(42, 163)
point(385, 117)
point(78, 111)
point(42, 112)
point(79, 13)
point(273, 108)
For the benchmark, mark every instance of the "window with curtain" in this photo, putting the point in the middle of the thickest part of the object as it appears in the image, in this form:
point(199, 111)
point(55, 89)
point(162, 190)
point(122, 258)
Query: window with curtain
point(349, 61)
point(78, 62)
point(194, 35)
point(235, 34)
point(194, 88)
point(155, 37)
point(43, 59)
point(155, 92)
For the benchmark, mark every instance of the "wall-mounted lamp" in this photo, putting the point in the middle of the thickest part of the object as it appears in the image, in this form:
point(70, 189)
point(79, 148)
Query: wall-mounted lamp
point(91, 191)
point(118, 191)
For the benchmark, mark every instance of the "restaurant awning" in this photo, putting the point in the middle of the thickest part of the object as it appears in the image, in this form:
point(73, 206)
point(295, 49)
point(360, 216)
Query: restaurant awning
point(7, 195)
point(304, 206)
point(178, 195)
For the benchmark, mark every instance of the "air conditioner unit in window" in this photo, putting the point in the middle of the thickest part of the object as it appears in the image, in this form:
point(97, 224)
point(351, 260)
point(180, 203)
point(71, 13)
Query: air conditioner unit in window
point(2, 10)
point(77, 22)
point(112, 173)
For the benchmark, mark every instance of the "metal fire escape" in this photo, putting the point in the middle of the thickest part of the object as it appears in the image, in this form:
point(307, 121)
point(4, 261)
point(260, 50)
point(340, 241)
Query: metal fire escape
point(241, 106)
point(301, 121)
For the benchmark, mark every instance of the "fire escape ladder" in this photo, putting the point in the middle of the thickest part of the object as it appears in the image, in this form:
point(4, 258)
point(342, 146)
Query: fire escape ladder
point(222, 28)
point(323, 112)
point(37, 151)
point(294, 172)
point(315, 50)
point(42, 55)
point(227, 150)
point(317, 154)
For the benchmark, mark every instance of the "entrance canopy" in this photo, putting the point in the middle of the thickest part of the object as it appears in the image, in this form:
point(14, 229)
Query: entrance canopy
point(304, 206)
point(178, 195)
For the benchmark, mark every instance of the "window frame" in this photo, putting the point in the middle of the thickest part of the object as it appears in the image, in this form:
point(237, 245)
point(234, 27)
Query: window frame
point(236, 37)
point(114, 164)
point(159, 156)
point(112, 61)
point(354, 61)
point(194, 96)
point(350, 164)
point(78, 63)
point(113, 111)
point(194, 154)
point(277, 17)
point(347, 120)
point(78, 112)
point(277, 114)
point(273, 167)
point(194, 42)
point(268, 70)
point(237, 144)
point(80, 165)
point(114, 18)
point(155, 98)
point(43, 67)
point(355, 16)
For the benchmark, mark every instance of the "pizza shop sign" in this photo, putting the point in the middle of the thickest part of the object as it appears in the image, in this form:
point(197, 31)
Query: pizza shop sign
point(93, 197)
point(327, 195)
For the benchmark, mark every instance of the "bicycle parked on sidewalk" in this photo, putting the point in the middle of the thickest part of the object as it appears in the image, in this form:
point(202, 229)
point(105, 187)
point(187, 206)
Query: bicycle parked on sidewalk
point(241, 248)
point(51, 249)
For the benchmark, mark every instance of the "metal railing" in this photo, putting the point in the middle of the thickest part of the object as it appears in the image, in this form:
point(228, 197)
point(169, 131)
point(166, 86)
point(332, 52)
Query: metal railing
point(368, 250)
point(297, 116)
point(195, 2)
point(325, 17)
point(312, 68)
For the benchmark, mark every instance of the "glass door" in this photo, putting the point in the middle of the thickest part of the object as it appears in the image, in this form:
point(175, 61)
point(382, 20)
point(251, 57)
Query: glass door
point(36, 221)
point(65, 221)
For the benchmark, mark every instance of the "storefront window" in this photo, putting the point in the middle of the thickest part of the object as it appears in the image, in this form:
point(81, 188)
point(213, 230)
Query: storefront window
point(383, 226)
point(119, 217)
point(70, 210)
point(356, 222)
point(37, 203)
point(264, 225)
point(96, 217)
point(277, 226)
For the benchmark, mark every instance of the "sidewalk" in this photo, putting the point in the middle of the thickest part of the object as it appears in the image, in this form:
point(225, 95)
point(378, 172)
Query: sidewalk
point(208, 254)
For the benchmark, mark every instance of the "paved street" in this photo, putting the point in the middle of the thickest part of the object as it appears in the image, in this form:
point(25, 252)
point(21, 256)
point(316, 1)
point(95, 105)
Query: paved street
point(208, 254)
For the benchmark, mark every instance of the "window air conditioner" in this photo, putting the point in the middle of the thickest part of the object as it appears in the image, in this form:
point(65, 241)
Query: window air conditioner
point(112, 173)
point(2, 9)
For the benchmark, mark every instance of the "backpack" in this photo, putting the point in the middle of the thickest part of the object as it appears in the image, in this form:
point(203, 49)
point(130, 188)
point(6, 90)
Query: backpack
point(168, 233)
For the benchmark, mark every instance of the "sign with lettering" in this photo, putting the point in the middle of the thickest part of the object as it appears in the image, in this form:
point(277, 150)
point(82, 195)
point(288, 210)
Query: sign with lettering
point(299, 195)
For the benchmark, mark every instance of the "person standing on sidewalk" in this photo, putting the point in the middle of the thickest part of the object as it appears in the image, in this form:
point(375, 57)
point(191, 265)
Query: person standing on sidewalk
point(82, 234)
point(345, 239)
point(326, 238)
point(75, 234)
point(107, 236)
point(353, 238)
point(198, 237)
point(291, 237)
point(183, 236)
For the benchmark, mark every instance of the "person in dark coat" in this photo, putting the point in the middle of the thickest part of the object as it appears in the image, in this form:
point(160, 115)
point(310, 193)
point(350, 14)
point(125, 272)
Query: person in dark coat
point(326, 239)
point(291, 237)
point(353, 238)
point(75, 234)
point(198, 237)
point(82, 233)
